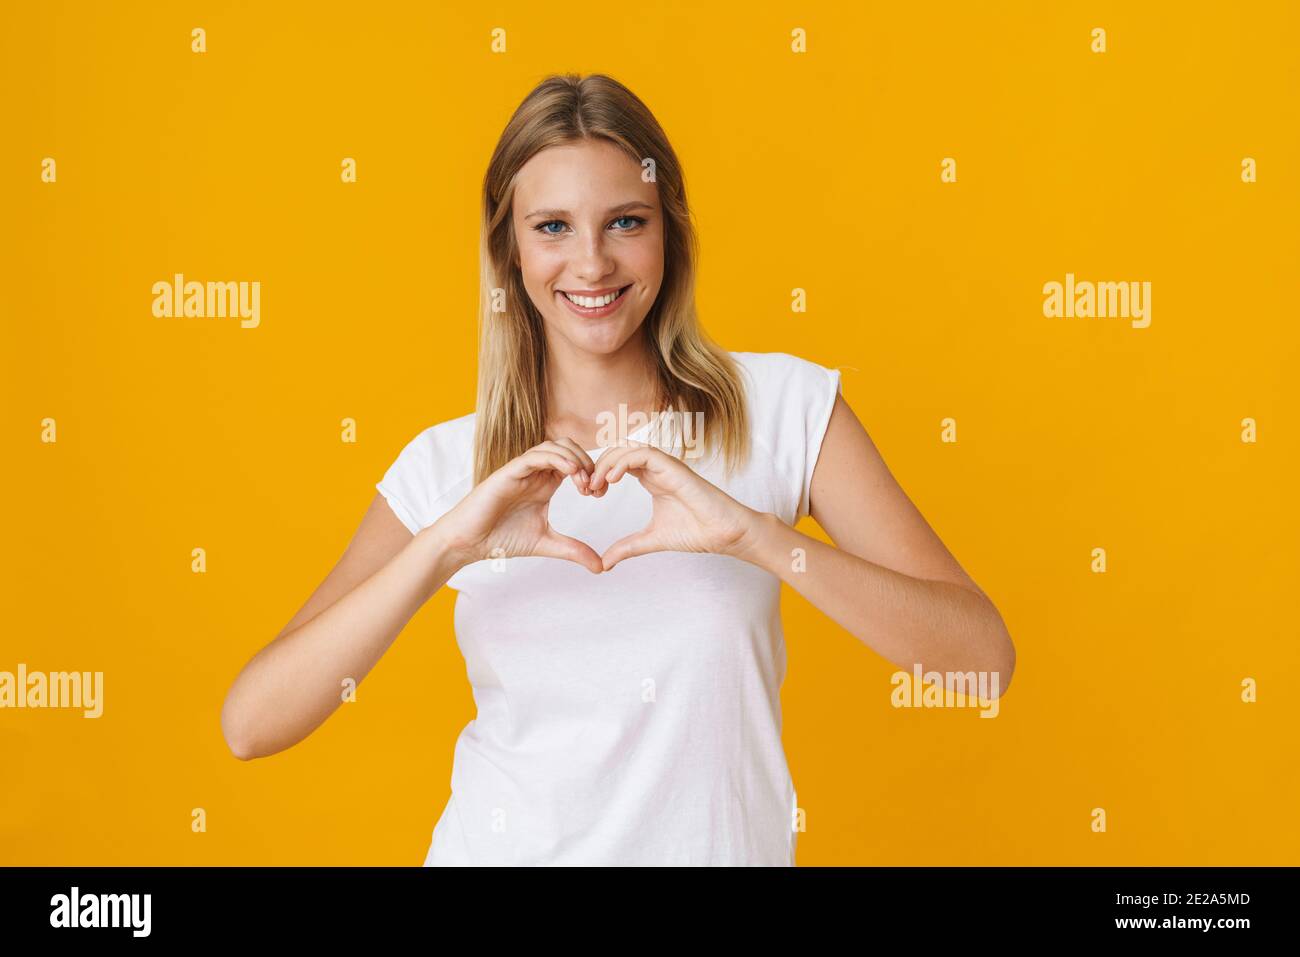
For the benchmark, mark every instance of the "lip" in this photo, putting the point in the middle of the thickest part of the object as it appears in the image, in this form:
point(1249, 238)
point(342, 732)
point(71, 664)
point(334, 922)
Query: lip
point(592, 292)
point(599, 312)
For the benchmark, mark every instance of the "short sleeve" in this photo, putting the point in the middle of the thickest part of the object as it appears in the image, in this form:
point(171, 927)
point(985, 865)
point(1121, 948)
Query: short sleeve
point(791, 402)
point(818, 387)
point(431, 473)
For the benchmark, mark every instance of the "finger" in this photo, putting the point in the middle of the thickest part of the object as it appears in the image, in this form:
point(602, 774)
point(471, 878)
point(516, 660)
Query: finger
point(556, 445)
point(539, 460)
point(555, 545)
point(640, 543)
point(577, 456)
point(631, 459)
point(608, 459)
point(583, 478)
point(635, 459)
point(569, 442)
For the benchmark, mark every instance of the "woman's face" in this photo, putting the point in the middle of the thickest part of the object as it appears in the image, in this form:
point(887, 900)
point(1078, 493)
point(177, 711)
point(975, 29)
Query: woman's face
point(587, 224)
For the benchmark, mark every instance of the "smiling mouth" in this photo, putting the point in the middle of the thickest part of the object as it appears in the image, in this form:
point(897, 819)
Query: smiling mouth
point(593, 306)
point(593, 302)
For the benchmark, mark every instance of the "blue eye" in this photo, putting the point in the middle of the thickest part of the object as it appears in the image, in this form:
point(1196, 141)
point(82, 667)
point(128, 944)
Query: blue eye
point(636, 222)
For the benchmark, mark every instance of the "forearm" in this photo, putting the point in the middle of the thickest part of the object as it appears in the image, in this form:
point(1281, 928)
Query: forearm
point(907, 620)
point(297, 681)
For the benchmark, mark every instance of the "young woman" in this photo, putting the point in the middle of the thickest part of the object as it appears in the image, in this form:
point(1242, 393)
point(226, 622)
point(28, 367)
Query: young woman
point(618, 594)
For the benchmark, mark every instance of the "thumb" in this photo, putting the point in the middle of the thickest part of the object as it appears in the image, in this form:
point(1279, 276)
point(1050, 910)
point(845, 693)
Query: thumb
point(555, 545)
point(629, 546)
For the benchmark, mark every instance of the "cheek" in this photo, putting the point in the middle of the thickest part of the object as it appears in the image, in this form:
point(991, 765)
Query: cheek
point(534, 264)
point(646, 258)
point(540, 262)
point(651, 267)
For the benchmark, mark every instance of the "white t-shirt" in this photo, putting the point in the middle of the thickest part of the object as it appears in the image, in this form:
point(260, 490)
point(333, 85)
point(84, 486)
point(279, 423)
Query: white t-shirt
point(631, 717)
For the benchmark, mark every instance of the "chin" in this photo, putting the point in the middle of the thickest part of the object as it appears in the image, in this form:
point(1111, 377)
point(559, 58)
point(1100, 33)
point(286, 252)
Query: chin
point(600, 340)
point(603, 342)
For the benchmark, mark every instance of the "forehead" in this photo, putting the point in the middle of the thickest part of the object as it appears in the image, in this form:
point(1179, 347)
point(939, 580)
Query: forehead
point(576, 176)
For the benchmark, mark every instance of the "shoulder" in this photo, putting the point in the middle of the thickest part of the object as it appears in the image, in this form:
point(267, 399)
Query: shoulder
point(431, 472)
point(790, 404)
point(446, 440)
point(785, 388)
point(772, 372)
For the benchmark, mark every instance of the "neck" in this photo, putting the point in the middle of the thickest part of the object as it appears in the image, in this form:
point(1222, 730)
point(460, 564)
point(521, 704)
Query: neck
point(580, 386)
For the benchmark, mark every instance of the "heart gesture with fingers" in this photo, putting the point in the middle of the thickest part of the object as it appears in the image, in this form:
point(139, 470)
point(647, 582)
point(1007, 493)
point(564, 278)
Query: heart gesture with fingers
point(690, 514)
point(505, 515)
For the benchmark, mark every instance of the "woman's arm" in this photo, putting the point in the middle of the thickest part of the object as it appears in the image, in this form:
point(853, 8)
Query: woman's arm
point(292, 685)
point(890, 581)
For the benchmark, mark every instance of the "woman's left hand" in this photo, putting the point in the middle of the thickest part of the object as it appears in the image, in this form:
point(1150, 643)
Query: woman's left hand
point(689, 513)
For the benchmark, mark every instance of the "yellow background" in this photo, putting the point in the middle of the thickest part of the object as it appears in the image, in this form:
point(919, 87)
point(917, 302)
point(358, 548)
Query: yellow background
point(818, 171)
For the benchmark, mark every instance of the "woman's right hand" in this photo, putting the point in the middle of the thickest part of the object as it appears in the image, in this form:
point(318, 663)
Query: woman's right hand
point(505, 515)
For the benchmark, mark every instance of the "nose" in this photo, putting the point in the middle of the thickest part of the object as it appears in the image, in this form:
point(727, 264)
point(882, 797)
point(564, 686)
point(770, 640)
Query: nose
point(592, 261)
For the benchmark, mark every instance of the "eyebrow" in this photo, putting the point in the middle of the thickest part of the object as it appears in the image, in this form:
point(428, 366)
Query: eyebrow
point(561, 213)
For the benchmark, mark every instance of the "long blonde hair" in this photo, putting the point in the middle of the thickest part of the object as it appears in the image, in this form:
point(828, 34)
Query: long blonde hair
point(694, 374)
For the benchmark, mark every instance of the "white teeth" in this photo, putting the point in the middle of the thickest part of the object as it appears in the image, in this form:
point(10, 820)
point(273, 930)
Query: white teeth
point(588, 302)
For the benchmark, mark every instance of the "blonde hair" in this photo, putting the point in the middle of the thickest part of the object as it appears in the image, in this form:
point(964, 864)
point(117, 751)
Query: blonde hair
point(694, 374)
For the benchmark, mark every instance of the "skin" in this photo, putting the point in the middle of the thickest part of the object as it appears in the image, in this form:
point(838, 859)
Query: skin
point(888, 579)
point(592, 363)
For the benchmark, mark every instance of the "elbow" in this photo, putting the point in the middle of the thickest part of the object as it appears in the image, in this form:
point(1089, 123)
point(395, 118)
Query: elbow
point(237, 740)
point(1003, 658)
point(1006, 659)
point(241, 751)
point(1007, 668)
